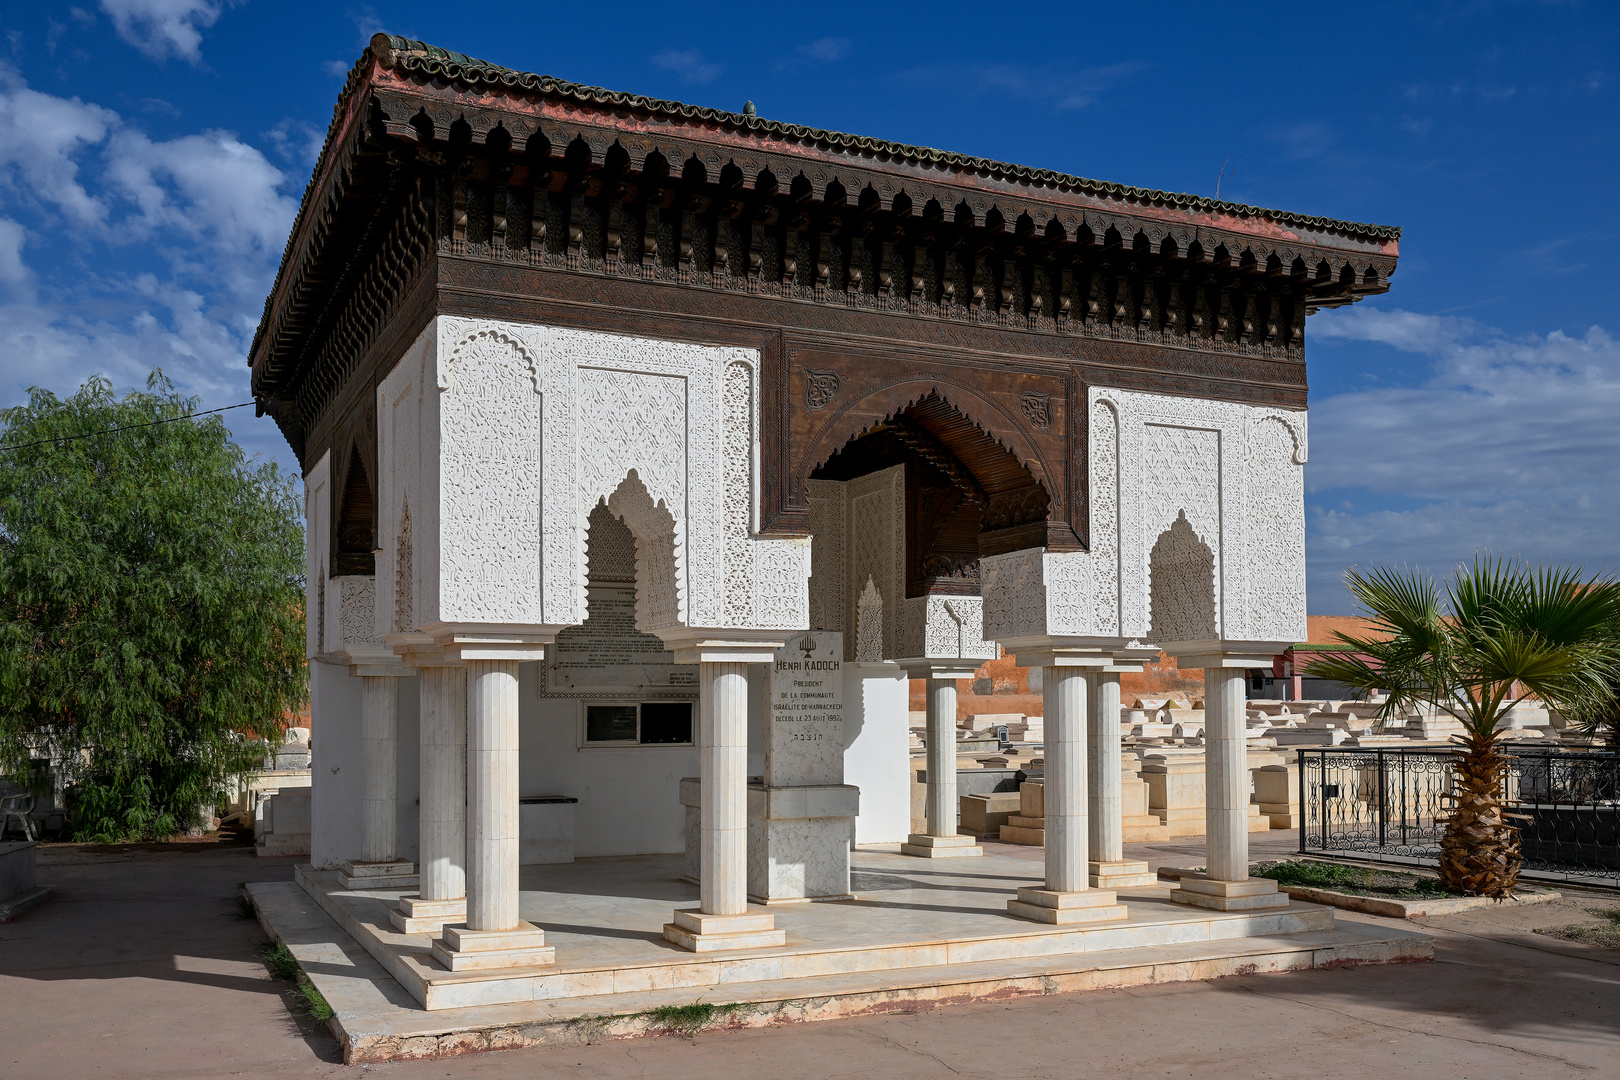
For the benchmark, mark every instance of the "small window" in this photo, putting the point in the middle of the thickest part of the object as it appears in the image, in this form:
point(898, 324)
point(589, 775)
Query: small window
point(610, 723)
point(666, 722)
point(651, 723)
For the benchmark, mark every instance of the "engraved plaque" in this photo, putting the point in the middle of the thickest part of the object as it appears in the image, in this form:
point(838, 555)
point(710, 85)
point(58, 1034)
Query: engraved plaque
point(807, 712)
point(607, 655)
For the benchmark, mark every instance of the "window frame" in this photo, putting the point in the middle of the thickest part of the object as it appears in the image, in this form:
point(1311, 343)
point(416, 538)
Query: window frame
point(586, 743)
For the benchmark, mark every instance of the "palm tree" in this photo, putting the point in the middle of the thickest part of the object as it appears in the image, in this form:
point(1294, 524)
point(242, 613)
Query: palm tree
point(1546, 630)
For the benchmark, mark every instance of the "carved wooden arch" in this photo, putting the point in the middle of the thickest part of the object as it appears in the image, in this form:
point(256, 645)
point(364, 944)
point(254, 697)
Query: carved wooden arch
point(896, 396)
point(353, 493)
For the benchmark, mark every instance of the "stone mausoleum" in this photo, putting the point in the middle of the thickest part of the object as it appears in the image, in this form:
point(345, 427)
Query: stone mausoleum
point(650, 449)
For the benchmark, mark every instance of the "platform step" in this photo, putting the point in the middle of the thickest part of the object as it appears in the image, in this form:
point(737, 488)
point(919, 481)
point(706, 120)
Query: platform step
point(375, 1024)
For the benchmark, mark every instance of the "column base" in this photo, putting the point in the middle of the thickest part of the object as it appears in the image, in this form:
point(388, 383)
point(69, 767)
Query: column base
point(1045, 905)
point(1119, 875)
point(697, 932)
point(524, 945)
point(393, 874)
point(1251, 895)
point(418, 916)
point(940, 847)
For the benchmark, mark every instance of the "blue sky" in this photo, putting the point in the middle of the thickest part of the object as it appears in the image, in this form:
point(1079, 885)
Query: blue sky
point(153, 153)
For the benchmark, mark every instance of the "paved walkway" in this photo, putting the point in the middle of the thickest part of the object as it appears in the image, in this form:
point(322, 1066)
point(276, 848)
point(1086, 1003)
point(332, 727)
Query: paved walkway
point(141, 968)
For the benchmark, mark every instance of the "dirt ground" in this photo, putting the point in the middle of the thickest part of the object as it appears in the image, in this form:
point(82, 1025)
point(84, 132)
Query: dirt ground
point(142, 967)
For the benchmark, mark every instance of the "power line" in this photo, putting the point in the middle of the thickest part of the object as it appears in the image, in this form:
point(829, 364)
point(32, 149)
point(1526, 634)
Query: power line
point(126, 427)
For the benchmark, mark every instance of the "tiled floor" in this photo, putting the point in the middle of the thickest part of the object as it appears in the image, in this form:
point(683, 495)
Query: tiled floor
point(609, 913)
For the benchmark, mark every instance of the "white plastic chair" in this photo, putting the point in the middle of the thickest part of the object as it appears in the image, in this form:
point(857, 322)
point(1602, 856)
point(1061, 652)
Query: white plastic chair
point(19, 808)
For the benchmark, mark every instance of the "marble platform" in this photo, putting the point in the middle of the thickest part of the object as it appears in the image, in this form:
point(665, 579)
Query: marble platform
point(916, 932)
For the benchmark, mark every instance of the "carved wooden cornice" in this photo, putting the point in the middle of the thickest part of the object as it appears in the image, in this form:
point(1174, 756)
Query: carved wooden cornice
point(432, 154)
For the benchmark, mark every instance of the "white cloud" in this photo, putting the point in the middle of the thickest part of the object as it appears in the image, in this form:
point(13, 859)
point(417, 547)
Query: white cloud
point(298, 141)
point(12, 237)
point(212, 190)
point(1058, 86)
point(40, 135)
point(689, 67)
point(1508, 445)
point(202, 218)
point(163, 28)
point(826, 49)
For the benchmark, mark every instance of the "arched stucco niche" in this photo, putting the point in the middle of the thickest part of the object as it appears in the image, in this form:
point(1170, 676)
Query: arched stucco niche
point(660, 597)
point(1181, 586)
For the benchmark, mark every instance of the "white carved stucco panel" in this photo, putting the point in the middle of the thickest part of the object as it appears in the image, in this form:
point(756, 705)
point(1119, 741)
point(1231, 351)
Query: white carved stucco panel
point(490, 464)
point(782, 574)
point(869, 625)
point(1014, 590)
point(1104, 554)
point(406, 514)
point(1192, 456)
point(738, 496)
point(943, 628)
point(665, 432)
point(1181, 468)
point(1276, 532)
point(357, 614)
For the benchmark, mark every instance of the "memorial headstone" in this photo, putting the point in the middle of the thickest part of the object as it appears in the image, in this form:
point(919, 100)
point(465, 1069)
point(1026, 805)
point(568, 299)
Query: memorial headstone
point(806, 743)
point(799, 818)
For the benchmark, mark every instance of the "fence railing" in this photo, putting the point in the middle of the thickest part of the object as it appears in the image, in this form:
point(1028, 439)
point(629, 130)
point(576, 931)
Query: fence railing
point(1392, 803)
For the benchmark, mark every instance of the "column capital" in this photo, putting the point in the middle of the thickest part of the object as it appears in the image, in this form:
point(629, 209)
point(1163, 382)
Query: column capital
point(369, 660)
point(1099, 653)
point(417, 650)
point(922, 667)
point(1221, 653)
point(703, 645)
point(493, 642)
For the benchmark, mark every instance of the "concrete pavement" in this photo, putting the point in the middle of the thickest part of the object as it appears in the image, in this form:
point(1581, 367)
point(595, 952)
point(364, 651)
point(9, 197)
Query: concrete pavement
point(141, 968)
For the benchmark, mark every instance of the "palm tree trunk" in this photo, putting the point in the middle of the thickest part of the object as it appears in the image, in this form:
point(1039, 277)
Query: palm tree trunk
point(1479, 853)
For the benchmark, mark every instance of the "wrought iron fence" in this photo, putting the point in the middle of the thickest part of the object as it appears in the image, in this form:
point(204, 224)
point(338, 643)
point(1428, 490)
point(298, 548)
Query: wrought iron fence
point(1392, 804)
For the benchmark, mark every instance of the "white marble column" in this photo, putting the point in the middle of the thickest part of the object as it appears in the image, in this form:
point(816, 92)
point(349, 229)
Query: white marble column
point(494, 934)
point(1225, 885)
point(379, 769)
point(940, 807)
point(379, 865)
point(1226, 787)
point(723, 768)
point(492, 795)
point(442, 810)
point(1066, 896)
point(1063, 692)
point(1103, 768)
point(723, 920)
point(1109, 868)
point(443, 857)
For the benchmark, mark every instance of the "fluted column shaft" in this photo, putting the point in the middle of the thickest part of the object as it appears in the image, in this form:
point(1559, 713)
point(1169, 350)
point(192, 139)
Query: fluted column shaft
point(492, 794)
point(1106, 821)
point(1226, 776)
point(379, 769)
point(1064, 694)
point(443, 810)
point(940, 808)
point(723, 799)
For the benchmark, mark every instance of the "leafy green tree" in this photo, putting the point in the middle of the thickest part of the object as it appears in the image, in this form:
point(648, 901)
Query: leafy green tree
point(151, 605)
point(1501, 623)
